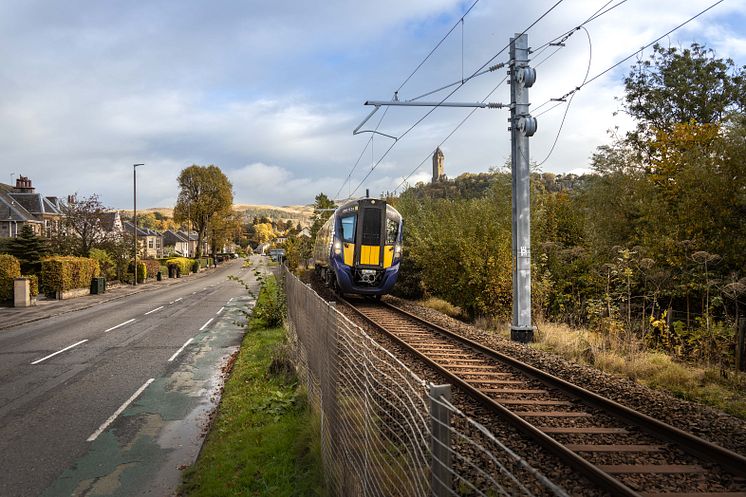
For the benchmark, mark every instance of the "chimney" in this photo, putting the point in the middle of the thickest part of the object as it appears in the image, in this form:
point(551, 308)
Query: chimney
point(23, 185)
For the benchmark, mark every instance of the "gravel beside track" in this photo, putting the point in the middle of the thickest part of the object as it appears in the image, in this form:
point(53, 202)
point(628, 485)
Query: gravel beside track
point(710, 424)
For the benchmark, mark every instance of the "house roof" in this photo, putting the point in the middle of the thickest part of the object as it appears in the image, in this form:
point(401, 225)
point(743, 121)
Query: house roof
point(171, 237)
point(128, 227)
point(109, 219)
point(15, 206)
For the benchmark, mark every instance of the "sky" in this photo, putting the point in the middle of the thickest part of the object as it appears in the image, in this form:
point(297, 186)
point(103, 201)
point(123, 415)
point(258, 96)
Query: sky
point(271, 91)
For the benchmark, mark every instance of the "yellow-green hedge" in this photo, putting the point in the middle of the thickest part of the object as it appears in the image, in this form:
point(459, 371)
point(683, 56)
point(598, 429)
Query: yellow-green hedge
point(62, 273)
point(34, 286)
point(183, 263)
point(10, 269)
point(153, 266)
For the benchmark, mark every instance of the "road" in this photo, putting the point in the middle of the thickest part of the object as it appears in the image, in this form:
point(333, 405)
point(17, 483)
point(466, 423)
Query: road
point(111, 400)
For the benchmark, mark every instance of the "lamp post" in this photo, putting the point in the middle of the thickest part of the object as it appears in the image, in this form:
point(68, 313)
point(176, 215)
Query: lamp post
point(134, 217)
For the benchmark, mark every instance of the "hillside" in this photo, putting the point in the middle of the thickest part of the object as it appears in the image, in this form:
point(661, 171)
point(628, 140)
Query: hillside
point(297, 213)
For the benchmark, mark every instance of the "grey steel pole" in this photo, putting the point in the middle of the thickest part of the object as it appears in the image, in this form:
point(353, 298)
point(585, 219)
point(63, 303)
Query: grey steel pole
point(134, 218)
point(521, 127)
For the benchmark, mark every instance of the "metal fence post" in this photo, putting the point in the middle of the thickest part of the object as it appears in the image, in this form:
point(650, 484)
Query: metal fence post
point(741, 345)
point(440, 423)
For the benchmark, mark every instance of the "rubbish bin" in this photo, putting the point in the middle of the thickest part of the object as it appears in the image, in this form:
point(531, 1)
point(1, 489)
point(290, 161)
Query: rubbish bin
point(98, 285)
point(172, 271)
point(178, 272)
point(158, 276)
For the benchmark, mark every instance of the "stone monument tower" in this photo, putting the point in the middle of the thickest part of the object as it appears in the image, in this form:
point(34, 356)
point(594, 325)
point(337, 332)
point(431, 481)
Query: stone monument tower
point(438, 165)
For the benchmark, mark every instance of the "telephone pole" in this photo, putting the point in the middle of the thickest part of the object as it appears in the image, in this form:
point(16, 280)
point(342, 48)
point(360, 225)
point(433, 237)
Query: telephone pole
point(522, 125)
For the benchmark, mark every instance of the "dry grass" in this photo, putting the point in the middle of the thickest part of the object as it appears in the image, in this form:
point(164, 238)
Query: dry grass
point(628, 357)
point(442, 306)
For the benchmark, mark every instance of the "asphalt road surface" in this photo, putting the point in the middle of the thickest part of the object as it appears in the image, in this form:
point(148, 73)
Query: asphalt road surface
point(112, 400)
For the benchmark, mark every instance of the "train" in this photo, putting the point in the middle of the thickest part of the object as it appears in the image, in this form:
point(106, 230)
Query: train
point(358, 249)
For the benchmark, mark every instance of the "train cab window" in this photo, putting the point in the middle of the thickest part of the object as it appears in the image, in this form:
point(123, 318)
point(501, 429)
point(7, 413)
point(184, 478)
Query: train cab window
point(348, 229)
point(392, 230)
point(371, 226)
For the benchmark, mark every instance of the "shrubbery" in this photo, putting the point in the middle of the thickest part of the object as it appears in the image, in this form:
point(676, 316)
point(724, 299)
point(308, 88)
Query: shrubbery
point(61, 273)
point(183, 263)
point(152, 267)
point(34, 284)
point(10, 269)
point(105, 262)
point(269, 310)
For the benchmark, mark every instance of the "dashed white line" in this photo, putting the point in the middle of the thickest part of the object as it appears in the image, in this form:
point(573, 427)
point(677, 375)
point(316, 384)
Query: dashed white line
point(221, 310)
point(120, 324)
point(230, 300)
point(179, 351)
point(154, 310)
point(178, 299)
point(205, 325)
point(119, 411)
point(59, 352)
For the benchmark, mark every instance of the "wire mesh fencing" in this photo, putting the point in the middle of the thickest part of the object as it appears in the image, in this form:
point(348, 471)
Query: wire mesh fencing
point(384, 430)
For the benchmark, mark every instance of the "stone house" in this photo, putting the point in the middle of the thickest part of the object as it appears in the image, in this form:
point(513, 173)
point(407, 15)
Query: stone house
point(21, 205)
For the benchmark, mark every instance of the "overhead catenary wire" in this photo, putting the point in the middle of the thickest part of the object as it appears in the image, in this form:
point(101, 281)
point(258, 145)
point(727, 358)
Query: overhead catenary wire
point(406, 80)
point(385, 154)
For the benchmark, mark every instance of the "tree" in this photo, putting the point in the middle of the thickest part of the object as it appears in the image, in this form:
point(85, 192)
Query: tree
point(205, 194)
point(223, 230)
point(678, 86)
point(28, 249)
point(321, 212)
point(83, 217)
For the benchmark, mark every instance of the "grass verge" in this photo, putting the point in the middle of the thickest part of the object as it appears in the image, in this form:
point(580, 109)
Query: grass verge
point(628, 358)
point(264, 440)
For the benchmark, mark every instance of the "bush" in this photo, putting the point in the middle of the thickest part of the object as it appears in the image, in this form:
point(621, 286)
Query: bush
point(105, 263)
point(183, 263)
point(62, 273)
point(195, 267)
point(34, 283)
point(269, 310)
point(142, 271)
point(10, 268)
point(152, 266)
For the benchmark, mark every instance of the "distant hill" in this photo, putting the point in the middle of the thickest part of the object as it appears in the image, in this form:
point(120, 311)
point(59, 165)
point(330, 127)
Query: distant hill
point(297, 213)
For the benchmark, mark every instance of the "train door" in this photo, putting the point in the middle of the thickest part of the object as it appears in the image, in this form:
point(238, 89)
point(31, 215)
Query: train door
point(370, 234)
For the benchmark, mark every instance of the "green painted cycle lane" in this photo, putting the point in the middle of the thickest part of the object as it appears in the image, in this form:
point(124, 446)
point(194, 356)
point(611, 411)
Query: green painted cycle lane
point(161, 431)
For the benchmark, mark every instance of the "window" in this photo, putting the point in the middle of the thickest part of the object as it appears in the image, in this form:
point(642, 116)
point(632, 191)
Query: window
point(392, 230)
point(348, 229)
point(371, 226)
point(150, 243)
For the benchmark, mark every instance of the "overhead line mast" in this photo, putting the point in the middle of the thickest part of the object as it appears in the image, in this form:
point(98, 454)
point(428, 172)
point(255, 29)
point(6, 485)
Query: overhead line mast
point(522, 126)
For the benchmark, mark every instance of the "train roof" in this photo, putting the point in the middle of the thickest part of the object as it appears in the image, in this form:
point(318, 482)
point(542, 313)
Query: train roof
point(357, 202)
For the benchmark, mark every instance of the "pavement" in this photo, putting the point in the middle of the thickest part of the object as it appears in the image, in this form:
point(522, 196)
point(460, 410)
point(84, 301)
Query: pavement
point(46, 308)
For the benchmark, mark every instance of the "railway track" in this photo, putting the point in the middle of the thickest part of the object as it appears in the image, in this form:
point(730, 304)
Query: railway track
point(625, 452)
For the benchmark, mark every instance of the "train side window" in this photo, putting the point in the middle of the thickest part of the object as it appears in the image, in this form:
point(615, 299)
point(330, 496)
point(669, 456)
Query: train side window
point(348, 229)
point(392, 230)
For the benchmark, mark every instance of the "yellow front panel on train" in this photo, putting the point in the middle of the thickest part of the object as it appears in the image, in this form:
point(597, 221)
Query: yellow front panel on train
point(369, 254)
point(388, 256)
point(349, 252)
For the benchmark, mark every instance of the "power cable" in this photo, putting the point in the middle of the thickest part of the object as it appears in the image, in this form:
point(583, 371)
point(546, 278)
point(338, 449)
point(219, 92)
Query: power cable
point(460, 21)
point(451, 133)
point(569, 102)
point(558, 2)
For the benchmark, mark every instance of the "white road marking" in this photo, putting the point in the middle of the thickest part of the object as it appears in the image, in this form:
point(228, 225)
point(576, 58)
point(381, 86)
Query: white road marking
point(205, 325)
point(120, 324)
point(193, 293)
point(230, 300)
point(179, 351)
point(178, 299)
point(154, 310)
point(59, 352)
point(119, 411)
point(221, 310)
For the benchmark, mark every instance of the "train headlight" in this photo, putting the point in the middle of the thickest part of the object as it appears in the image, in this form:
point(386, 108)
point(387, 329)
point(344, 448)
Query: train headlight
point(337, 248)
point(397, 251)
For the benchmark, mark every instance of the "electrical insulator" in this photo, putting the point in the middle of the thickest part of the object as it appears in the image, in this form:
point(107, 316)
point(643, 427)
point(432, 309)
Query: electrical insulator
point(526, 76)
point(527, 125)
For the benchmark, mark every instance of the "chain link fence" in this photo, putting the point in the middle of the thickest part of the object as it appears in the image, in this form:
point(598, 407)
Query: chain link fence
point(384, 430)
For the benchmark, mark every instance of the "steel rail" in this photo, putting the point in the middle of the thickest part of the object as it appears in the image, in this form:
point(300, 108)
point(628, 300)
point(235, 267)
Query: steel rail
point(731, 461)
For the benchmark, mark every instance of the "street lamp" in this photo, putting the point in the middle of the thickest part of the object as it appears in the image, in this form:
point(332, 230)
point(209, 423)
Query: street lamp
point(134, 216)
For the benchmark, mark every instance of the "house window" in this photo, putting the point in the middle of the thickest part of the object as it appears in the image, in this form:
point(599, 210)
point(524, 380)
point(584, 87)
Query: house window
point(150, 243)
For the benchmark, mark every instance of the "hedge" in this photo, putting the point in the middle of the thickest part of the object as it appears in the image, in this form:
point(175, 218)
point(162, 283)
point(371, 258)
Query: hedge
point(152, 267)
point(183, 263)
point(34, 283)
point(62, 273)
point(10, 269)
